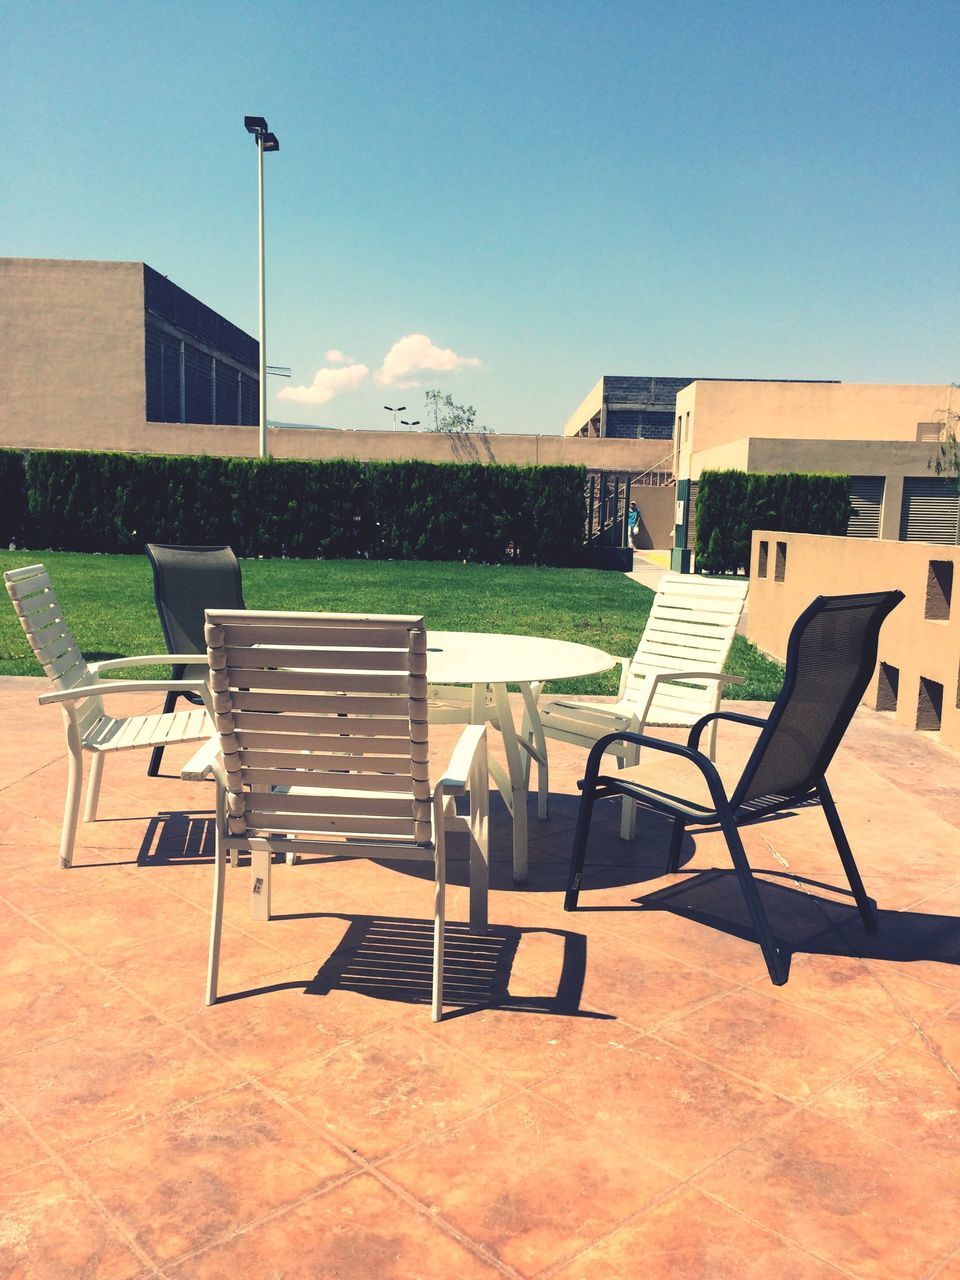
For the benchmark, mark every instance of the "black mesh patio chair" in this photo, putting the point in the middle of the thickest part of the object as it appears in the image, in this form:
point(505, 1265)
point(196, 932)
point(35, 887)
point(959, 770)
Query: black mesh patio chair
point(186, 581)
point(831, 656)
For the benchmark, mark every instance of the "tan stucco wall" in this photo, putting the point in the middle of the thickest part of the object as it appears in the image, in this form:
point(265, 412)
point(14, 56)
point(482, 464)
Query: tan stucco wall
point(734, 456)
point(71, 350)
point(722, 412)
point(136, 435)
point(915, 645)
point(587, 409)
point(657, 507)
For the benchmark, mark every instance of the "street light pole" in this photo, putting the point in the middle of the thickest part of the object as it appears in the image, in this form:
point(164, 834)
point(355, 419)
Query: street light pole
point(409, 425)
point(265, 141)
point(401, 408)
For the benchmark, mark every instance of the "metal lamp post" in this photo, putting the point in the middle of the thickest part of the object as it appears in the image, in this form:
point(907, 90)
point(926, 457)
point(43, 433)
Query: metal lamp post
point(265, 141)
point(409, 425)
point(401, 408)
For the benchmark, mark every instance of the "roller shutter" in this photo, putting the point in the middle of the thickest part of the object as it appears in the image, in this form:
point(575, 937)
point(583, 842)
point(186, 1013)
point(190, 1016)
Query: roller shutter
point(930, 510)
point(866, 499)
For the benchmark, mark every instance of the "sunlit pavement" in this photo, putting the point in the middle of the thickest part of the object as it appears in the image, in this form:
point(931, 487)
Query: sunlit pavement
point(615, 1092)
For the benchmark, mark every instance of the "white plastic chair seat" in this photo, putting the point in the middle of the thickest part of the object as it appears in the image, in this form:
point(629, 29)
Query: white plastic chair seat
point(112, 733)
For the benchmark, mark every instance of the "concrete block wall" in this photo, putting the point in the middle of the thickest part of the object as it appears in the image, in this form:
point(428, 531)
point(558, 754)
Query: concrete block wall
point(918, 671)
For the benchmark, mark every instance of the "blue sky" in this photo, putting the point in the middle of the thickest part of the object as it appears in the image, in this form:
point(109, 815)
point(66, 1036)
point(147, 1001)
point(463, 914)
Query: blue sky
point(507, 200)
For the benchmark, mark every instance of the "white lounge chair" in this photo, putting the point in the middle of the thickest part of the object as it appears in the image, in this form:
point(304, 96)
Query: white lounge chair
point(323, 734)
point(674, 678)
point(79, 691)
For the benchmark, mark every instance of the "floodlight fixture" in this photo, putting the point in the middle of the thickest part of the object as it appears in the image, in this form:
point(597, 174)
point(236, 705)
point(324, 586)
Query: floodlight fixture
point(255, 124)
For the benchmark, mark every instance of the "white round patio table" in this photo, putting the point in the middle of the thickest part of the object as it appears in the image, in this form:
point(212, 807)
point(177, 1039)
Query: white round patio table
point(490, 662)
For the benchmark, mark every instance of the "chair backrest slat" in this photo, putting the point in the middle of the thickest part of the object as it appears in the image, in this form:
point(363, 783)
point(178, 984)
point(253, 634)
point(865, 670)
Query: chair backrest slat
point(323, 724)
point(691, 627)
point(831, 656)
point(50, 638)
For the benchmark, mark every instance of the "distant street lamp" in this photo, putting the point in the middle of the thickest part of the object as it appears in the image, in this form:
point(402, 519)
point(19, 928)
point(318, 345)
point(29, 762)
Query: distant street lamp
point(265, 141)
point(401, 408)
point(410, 425)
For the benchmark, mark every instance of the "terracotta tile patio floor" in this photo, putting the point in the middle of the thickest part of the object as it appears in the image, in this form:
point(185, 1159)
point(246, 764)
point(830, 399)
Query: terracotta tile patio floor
point(617, 1092)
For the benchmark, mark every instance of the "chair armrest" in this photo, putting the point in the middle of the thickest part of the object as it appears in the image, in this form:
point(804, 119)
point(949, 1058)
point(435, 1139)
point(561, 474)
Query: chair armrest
point(457, 773)
point(205, 762)
point(703, 763)
point(150, 660)
point(104, 687)
point(696, 675)
point(693, 738)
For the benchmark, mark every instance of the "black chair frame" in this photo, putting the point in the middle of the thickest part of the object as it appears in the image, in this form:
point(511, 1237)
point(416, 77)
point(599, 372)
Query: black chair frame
point(743, 804)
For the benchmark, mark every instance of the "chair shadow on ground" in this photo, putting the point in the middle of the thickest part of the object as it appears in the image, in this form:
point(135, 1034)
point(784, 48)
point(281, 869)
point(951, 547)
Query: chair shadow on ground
point(177, 837)
point(802, 919)
point(806, 916)
point(391, 958)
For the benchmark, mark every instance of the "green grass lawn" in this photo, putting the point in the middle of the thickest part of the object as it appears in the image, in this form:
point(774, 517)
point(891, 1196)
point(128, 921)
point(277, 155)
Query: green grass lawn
point(108, 601)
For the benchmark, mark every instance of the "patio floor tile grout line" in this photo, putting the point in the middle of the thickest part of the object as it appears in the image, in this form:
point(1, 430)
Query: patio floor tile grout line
point(365, 1165)
point(83, 1186)
point(563, 1263)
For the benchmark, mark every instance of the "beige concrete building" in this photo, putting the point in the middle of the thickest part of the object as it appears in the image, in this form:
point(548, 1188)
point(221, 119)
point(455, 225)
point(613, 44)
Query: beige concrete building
point(883, 436)
point(94, 354)
point(918, 670)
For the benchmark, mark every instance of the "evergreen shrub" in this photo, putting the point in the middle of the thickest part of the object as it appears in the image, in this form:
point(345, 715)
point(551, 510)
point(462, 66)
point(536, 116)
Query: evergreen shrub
point(731, 504)
point(115, 502)
point(13, 496)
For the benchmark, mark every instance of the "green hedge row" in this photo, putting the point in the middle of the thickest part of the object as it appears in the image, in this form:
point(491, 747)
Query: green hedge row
point(731, 504)
point(115, 502)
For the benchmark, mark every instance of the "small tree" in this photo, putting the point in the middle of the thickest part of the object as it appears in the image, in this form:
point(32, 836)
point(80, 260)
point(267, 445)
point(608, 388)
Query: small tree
point(455, 419)
point(947, 461)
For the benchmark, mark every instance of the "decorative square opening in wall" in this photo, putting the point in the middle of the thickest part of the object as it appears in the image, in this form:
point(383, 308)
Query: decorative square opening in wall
point(762, 556)
point(780, 566)
point(939, 590)
point(929, 705)
point(888, 687)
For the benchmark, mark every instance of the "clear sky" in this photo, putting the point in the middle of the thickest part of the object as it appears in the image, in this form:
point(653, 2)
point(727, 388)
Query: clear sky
point(506, 199)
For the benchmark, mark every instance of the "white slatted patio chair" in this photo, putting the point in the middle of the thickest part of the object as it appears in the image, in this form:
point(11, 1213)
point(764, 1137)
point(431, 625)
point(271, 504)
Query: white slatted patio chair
point(674, 678)
point(80, 692)
point(323, 733)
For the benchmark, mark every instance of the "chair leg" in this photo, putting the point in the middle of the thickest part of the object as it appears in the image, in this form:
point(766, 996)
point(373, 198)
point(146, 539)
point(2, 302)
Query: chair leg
point(93, 787)
point(771, 952)
point(579, 854)
point(216, 920)
point(676, 845)
point(439, 922)
point(71, 804)
point(628, 807)
point(479, 836)
point(868, 912)
point(156, 755)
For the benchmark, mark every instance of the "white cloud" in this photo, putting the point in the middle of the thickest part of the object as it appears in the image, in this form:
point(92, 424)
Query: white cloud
point(327, 385)
point(416, 354)
point(337, 357)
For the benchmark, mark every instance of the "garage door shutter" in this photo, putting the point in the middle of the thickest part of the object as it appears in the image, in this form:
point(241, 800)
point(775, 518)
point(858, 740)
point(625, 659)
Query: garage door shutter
point(930, 511)
point(866, 499)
